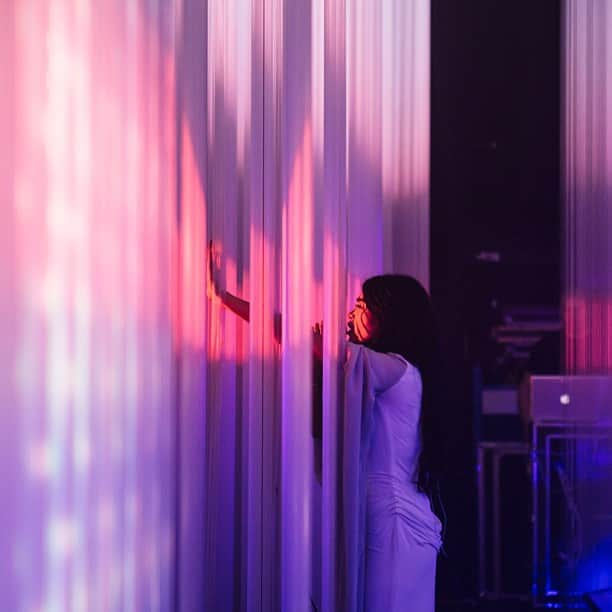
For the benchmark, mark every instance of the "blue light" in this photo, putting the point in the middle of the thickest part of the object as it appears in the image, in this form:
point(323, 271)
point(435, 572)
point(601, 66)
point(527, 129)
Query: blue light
point(595, 571)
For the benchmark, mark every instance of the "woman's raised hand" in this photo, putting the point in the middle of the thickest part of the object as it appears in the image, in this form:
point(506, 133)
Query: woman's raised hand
point(214, 289)
point(317, 340)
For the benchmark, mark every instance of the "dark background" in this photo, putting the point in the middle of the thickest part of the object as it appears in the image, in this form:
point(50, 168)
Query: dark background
point(495, 187)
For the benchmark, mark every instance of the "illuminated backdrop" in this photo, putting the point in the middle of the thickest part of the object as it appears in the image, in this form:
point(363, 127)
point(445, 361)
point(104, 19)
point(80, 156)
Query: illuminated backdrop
point(317, 165)
point(588, 185)
point(157, 451)
point(90, 416)
point(588, 268)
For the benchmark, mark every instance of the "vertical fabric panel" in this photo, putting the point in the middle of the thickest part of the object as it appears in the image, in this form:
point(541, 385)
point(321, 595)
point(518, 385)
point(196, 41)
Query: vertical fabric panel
point(296, 171)
point(233, 201)
point(190, 124)
point(334, 286)
point(271, 304)
point(160, 448)
point(588, 185)
point(11, 435)
point(587, 129)
point(363, 106)
point(353, 152)
point(256, 578)
point(376, 191)
point(405, 69)
point(387, 76)
point(318, 58)
point(90, 358)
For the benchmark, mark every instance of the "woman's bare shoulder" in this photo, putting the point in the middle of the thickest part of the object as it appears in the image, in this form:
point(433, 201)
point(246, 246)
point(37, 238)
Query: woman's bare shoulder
point(386, 368)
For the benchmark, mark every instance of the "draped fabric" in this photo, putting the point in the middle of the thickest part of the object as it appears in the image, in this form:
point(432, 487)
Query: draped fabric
point(587, 130)
point(588, 185)
point(357, 432)
point(385, 519)
point(234, 348)
point(95, 318)
point(159, 449)
point(310, 138)
point(376, 196)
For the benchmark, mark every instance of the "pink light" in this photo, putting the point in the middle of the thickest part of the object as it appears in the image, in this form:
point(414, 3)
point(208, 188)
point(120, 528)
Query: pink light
point(93, 201)
point(192, 240)
point(299, 218)
point(588, 345)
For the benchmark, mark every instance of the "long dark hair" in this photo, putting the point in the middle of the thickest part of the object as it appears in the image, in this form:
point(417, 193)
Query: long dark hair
point(407, 327)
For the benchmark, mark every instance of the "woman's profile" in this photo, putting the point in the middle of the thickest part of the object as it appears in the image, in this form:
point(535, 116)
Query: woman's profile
point(391, 457)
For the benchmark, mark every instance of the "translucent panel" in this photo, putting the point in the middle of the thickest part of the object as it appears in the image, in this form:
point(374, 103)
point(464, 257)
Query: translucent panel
point(88, 409)
point(588, 185)
point(585, 467)
point(160, 448)
point(233, 346)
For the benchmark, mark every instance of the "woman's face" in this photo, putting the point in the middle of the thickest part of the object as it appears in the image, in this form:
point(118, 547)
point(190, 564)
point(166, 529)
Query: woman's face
point(362, 325)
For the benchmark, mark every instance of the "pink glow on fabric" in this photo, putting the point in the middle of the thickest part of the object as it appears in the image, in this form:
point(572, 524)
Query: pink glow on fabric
point(296, 448)
point(193, 246)
point(588, 187)
point(89, 523)
point(136, 395)
point(588, 341)
point(298, 213)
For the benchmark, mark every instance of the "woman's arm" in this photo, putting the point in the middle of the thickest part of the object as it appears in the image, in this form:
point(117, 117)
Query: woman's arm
point(385, 369)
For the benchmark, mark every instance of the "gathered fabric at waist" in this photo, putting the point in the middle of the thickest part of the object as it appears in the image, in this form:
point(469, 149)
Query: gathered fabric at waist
point(390, 499)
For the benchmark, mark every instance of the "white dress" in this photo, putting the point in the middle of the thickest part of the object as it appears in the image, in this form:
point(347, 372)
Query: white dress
point(392, 537)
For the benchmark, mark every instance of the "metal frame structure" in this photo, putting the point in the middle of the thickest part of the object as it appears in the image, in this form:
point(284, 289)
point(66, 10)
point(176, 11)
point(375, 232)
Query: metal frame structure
point(544, 435)
point(498, 450)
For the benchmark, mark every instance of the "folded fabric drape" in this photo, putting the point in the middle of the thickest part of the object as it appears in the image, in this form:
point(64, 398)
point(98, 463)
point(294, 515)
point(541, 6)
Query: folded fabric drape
point(389, 534)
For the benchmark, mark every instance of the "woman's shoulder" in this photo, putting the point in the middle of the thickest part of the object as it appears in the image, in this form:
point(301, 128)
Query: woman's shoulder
point(390, 360)
point(386, 368)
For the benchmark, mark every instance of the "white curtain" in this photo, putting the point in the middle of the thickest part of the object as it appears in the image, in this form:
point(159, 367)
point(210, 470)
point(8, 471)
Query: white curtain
point(587, 132)
point(588, 185)
point(91, 321)
point(318, 148)
point(354, 98)
point(239, 355)
point(157, 451)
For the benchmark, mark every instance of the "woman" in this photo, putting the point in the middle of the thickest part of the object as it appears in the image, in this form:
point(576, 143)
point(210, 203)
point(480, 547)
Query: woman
point(392, 536)
point(391, 453)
